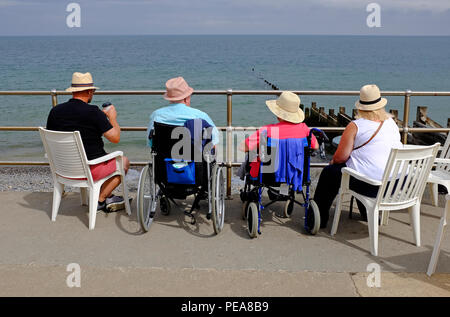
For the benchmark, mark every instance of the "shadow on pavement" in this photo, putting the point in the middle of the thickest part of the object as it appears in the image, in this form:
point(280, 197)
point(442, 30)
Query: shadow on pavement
point(70, 205)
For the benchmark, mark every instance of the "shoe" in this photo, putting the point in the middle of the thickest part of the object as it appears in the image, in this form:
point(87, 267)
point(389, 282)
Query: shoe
point(101, 206)
point(114, 203)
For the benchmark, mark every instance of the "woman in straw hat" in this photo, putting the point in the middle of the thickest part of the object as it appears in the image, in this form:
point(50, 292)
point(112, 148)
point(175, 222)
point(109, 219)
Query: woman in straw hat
point(290, 125)
point(365, 147)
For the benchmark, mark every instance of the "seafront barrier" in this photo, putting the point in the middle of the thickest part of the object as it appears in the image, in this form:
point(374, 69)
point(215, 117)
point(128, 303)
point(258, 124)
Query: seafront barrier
point(331, 123)
point(317, 117)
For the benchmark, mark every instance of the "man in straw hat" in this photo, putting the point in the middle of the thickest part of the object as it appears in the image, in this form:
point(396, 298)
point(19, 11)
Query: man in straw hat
point(178, 93)
point(290, 125)
point(78, 115)
point(365, 146)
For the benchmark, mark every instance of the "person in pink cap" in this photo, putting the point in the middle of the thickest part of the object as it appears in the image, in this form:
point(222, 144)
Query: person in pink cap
point(178, 93)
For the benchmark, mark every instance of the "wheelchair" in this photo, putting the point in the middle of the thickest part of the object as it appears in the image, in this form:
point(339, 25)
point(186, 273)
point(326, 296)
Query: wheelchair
point(253, 187)
point(166, 179)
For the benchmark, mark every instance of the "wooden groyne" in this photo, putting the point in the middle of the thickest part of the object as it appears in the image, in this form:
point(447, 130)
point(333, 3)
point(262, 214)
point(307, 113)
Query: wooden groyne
point(423, 121)
point(317, 117)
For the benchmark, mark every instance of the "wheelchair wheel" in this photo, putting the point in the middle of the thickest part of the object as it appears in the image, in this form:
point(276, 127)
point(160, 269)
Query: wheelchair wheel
point(288, 208)
point(244, 210)
point(164, 205)
point(218, 198)
point(252, 219)
point(146, 198)
point(312, 220)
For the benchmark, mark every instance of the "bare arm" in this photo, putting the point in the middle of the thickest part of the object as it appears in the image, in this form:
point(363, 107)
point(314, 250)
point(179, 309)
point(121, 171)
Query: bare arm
point(346, 144)
point(316, 146)
point(243, 147)
point(113, 134)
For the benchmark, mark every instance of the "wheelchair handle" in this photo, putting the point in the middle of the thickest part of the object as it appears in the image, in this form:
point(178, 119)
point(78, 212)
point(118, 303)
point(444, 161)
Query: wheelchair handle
point(322, 134)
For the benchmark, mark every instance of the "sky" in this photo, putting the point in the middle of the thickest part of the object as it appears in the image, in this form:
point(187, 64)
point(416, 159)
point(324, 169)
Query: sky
point(139, 17)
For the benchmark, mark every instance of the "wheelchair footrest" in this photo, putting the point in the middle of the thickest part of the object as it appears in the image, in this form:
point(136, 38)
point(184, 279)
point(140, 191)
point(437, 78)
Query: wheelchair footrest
point(189, 214)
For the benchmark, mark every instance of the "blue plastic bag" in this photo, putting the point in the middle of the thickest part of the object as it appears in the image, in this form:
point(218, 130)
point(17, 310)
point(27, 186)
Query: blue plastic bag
point(180, 172)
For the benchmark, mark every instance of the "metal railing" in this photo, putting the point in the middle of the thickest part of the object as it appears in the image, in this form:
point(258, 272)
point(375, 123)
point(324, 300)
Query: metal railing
point(407, 94)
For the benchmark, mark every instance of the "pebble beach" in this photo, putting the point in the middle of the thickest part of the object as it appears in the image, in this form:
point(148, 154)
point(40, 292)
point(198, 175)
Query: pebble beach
point(39, 179)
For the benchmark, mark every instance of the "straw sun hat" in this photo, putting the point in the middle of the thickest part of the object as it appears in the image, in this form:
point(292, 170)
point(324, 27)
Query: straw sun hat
point(81, 82)
point(287, 107)
point(370, 99)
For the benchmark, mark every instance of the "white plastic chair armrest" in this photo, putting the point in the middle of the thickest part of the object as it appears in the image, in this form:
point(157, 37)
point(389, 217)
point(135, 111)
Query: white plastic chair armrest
point(360, 176)
point(441, 161)
point(409, 146)
point(105, 158)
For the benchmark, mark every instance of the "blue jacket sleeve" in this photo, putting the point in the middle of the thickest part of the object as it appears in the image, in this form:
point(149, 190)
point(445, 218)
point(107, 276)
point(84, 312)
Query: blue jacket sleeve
point(215, 131)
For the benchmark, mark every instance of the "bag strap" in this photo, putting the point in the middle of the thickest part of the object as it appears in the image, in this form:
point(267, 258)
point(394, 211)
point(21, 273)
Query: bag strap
point(376, 132)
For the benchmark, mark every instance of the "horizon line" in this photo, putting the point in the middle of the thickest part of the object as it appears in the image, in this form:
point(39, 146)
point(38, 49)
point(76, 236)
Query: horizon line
point(224, 34)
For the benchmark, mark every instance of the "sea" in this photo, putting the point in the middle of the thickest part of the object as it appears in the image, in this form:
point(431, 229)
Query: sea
point(209, 62)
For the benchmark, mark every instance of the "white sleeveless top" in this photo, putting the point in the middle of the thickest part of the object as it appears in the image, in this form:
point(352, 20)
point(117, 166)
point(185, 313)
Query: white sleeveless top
point(371, 159)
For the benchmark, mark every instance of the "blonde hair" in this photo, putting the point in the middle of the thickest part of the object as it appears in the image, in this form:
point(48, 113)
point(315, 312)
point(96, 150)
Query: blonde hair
point(375, 115)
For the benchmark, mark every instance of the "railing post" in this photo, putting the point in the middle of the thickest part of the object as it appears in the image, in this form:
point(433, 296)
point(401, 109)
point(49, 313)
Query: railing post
point(229, 139)
point(406, 116)
point(54, 97)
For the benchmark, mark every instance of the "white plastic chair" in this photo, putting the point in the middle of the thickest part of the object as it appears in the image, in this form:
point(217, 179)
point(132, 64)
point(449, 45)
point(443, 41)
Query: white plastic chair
point(439, 235)
point(441, 175)
point(412, 165)
point(70, 166)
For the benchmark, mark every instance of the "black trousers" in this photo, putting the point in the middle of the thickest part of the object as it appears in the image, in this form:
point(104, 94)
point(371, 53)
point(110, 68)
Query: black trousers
point(328, 188)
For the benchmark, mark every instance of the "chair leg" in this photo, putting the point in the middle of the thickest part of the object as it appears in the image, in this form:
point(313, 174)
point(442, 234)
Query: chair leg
point(125, 194)
point(58, 189)
point(372, 219)
point(93, 202)
point(436, 249)
point(414, 213)
point(337, 213)
point(385, 217)
point(434, 194)
point(84, 196)
point(437, 245)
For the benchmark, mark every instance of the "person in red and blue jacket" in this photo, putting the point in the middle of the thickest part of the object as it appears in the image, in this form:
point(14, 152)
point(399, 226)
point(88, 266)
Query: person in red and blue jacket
point(290, 127)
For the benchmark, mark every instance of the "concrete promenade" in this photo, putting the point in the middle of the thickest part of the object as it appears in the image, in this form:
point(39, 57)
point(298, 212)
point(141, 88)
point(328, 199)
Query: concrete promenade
point(176, 258)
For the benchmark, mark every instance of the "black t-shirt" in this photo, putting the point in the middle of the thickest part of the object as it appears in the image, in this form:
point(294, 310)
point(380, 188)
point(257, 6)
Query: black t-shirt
point(76, 115)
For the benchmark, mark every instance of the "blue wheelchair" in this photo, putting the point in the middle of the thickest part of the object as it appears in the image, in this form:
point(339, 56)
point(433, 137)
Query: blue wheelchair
point(280, 191)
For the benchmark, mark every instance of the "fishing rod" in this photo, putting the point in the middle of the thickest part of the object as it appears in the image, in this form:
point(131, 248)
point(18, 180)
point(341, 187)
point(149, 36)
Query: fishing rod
point(323, 136)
